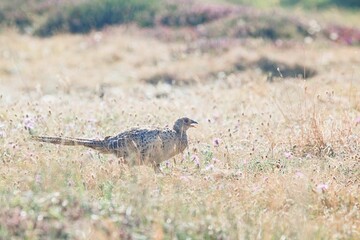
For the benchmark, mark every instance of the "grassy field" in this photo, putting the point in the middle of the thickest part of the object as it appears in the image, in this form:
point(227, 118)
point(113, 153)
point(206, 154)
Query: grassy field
point(275, 155)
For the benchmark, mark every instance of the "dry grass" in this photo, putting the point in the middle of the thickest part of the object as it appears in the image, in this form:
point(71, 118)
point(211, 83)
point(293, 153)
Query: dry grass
point(287, 165)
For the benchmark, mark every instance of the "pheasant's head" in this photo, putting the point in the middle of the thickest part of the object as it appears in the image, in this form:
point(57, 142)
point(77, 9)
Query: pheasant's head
point(183, 124)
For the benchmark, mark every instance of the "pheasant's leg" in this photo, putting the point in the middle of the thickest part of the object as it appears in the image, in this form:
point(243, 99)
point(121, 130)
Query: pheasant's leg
point(157, 168)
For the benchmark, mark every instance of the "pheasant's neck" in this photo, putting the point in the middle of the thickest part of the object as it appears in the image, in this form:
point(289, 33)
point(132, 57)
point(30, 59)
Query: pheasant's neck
point(183, 135)
point(183, 142)
point(180, 133)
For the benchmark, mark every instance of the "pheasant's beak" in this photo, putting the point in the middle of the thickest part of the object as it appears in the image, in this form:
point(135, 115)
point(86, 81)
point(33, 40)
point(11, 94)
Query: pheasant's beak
point(193, 122)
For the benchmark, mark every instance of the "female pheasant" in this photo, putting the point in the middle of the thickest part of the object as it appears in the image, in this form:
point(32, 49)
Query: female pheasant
point(137, 146)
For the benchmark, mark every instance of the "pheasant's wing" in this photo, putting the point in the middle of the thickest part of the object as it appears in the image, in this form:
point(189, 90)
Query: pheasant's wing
point(132, 143)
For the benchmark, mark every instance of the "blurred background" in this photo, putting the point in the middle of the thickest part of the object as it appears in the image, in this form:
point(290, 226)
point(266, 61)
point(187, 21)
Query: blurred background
point(48, 17)
point(120, 34)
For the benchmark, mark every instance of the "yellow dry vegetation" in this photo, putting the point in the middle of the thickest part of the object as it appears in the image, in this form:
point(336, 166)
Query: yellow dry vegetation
point(276, 160)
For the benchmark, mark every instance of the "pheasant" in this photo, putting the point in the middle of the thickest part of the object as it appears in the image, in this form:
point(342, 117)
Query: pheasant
point(136, 146)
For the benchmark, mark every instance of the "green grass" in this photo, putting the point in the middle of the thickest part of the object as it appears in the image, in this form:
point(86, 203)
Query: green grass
point(309, 4)
point(96, 14)
point(45, 18)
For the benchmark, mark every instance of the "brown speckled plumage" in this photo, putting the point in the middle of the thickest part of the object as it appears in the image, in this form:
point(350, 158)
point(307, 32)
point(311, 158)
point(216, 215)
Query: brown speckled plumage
point(137, 146)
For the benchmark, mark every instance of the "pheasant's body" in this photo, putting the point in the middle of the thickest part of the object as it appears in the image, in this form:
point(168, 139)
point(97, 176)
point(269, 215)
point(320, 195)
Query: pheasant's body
point(137, 146)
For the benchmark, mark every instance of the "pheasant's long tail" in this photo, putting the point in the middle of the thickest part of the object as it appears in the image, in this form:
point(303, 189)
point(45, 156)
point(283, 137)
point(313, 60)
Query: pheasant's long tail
point(96, 144)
